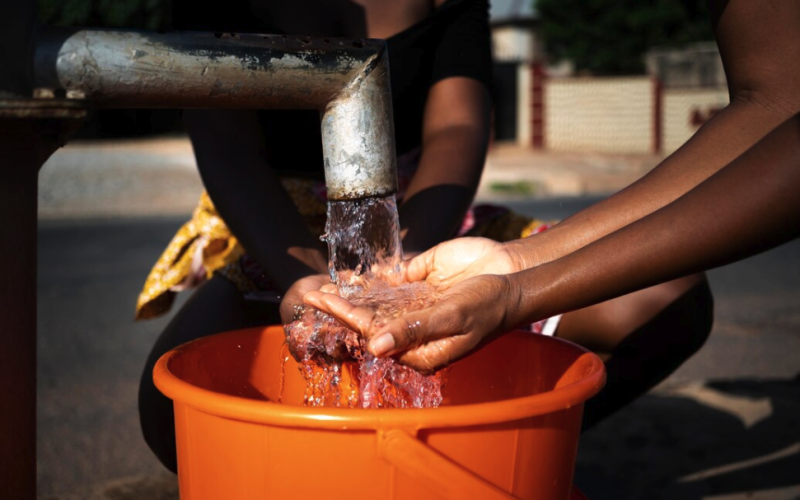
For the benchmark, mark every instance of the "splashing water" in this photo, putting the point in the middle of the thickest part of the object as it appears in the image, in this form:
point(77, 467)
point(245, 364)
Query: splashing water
point(365, 255)
point(363, 238)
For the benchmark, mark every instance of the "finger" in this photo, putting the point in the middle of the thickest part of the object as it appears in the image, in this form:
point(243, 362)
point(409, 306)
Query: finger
point(329, 288)
point(415, 329)
point(359, 319)
point(435, 355)
point(419, 267)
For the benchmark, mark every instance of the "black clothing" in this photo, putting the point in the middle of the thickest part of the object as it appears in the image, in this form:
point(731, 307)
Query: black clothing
point(453, 41)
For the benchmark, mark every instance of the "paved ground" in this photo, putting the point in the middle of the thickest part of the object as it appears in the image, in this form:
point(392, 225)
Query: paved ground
point(726, 426)
point(511, 171)
point(157, 177)
point(137, 177)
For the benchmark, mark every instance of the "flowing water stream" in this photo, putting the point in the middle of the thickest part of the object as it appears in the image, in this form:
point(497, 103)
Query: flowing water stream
point(365, 253)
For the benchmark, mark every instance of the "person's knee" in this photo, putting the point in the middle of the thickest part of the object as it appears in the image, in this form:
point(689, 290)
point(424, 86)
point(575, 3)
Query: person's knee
point(604, 327)
point(682, 316)
point(695, 309)
point(679, 330)
point(652, 352)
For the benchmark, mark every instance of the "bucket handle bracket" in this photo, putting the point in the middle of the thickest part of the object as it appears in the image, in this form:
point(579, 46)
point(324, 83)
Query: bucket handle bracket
point(434, 470)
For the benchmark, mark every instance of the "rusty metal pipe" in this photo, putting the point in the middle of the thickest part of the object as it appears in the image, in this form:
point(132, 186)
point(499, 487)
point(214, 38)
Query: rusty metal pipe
point(346, 80)
point(358, 138)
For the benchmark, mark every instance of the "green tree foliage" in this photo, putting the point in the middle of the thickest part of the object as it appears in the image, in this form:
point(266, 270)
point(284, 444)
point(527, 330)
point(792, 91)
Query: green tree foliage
point(141, 14)
point(611, 36)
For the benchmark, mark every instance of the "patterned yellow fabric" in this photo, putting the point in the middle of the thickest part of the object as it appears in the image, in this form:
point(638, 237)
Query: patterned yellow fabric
point(535, 226)
point(205, 237)
point(506, 227)
point(205, 245)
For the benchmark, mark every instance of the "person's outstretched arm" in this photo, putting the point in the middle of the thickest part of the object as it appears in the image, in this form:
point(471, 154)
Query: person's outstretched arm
point(747, 207)
point(760, 47)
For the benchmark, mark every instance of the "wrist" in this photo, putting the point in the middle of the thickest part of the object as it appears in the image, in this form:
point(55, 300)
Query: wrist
point(513, 299)
point(541, 248)
point(527, 302)
point(522, 254)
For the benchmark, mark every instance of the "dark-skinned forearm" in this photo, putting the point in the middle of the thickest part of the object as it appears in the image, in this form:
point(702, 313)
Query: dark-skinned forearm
point(727, 135)
point(746, 208)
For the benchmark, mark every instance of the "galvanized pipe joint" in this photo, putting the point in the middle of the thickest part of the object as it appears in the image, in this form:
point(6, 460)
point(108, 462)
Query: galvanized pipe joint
point(346, 80)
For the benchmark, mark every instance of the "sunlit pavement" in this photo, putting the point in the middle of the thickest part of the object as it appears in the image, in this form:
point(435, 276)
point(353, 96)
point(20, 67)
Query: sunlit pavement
point(156, 177)
point(726, 426)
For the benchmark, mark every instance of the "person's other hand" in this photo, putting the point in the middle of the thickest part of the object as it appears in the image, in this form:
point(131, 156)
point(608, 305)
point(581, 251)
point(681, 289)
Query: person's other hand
point(294, 296)
point(468, 313)
point(459, 259)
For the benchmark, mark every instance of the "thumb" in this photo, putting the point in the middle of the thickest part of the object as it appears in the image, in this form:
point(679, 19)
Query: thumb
point(419, 267)
point(329, 288)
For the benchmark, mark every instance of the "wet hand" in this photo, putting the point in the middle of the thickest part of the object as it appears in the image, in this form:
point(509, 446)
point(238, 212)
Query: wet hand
point(294, 296)
point(468, 313)
point(462, 258)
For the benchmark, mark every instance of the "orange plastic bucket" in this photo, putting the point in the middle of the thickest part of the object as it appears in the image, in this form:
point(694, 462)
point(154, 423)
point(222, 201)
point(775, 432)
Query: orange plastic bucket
point(508, 427)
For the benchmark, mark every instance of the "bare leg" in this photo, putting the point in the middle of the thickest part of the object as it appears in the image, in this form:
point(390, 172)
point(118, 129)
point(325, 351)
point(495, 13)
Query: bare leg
point(217, 306)
point(643, 337)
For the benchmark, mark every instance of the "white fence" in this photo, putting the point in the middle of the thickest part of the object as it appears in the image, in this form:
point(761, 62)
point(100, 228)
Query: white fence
point(608, 115)
point(684, 110)
point(628, 115)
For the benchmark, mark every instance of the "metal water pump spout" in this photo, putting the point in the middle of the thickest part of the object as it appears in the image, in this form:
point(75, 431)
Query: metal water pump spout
point(346, 80)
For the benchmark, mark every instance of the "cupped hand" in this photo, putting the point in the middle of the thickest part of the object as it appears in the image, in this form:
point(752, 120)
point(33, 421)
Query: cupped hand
point(294, 296)
point(468, 313)
point(459, 259)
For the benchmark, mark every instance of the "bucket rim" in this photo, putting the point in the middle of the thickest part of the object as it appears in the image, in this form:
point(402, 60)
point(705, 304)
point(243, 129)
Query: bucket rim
point(272, 413)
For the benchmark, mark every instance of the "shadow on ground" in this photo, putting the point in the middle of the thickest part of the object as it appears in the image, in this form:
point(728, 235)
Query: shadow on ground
point(678, 447)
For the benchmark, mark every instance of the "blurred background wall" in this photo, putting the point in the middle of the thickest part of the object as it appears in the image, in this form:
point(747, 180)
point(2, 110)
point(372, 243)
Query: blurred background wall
point(553, 60)
point(613, 77)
